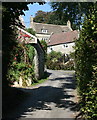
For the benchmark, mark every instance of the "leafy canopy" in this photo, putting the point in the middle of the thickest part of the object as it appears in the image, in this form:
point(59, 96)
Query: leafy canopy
point(86, 65)
point(73, 11)
point(47, 17)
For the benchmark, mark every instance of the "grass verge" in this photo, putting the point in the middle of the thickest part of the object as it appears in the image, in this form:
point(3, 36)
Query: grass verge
point(45, 77)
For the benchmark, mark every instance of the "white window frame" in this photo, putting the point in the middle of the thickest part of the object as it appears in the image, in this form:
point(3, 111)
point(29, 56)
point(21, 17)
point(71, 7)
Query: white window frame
point(44, 30)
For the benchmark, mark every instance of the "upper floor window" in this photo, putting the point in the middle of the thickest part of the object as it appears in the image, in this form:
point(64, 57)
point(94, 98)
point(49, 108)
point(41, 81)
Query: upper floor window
point(44, 31)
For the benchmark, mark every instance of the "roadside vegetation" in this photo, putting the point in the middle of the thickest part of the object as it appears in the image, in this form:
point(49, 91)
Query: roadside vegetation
point(18, 59)
point(58, 61)
point(86, 65)
point(46, 75)
point(10, 18)
point(31, 31)
point(64, 11)
point(21, 64)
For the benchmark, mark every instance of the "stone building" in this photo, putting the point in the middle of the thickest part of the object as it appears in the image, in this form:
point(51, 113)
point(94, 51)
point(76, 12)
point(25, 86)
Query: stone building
point(59, 38)
point(44, 31)
point(62, 42)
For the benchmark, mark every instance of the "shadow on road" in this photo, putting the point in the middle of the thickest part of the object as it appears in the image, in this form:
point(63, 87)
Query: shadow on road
point(40, 98)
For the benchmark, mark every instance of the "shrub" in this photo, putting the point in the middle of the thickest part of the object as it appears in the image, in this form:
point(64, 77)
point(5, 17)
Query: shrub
point(86, 65)
point(69, 65)
point(44, 45)
point(31, 31)
point(21, 63)
point(55, 62)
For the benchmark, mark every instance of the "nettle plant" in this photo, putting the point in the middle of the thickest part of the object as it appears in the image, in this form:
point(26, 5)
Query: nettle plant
point(21, 63)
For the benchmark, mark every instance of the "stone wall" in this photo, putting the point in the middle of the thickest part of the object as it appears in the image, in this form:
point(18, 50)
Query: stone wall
point(39, 59)
point(39, 64)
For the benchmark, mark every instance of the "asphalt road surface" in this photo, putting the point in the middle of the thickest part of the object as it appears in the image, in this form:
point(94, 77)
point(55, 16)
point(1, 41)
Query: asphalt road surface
point(55, 98)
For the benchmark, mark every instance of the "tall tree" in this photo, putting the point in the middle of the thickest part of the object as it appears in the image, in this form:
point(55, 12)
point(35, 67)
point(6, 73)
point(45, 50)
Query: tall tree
point(74, 11)
point(48, 17)
point(40, 16)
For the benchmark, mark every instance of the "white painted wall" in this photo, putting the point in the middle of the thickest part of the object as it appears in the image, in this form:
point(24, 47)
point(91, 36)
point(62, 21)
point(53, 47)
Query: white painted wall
point(62, 48)
point(43, 36)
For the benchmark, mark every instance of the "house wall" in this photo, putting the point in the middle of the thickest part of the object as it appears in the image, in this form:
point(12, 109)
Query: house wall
point(43, 36)
point(65, 48)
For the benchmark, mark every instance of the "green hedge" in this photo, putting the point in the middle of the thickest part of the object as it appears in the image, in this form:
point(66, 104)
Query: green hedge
point(86, 65)
point(55, 61)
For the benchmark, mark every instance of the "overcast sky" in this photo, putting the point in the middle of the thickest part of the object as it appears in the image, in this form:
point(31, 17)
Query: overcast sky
point(33, 8)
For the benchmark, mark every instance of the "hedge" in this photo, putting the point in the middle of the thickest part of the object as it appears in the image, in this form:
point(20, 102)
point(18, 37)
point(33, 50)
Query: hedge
point(86, 65)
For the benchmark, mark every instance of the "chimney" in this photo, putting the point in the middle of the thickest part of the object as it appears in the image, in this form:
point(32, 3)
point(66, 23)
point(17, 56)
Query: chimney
point(69, 24)
point(32, 23)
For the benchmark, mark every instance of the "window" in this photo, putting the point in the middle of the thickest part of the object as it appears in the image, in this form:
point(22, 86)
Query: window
point(51, 48)
point(44, 38)
point(44, 31)
point(65, 45)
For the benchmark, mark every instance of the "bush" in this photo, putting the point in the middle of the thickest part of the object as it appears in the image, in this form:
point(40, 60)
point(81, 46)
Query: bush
point(31, 31)
point(69, 65)
point(55, 62)
point(86, 65)
point(21, 63)
point(44, 45)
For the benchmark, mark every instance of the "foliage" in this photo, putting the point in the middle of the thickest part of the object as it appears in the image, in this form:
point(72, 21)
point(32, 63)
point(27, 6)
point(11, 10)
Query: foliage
point(45, 77)
point(60, 66)
point(21, 66)
point(86, 65)
point(73, 11)
point(10, 16)
point(48, 17)
point(69, 65)
point(52, 59)
point(31, 31)
point(44, 45)
point(20, 69)
point(55, 61)
point(40, 16)
point(30, 52)
point(54, 56)
point(72, 55)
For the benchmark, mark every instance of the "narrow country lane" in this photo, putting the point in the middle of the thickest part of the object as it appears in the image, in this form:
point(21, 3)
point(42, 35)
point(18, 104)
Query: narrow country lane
point(55, 98)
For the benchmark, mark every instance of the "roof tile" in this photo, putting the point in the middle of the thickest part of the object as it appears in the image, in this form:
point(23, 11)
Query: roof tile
point(51, 28)
point(60, 38)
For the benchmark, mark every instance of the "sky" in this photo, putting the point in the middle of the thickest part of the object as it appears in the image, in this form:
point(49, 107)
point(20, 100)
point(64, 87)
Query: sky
point(33, 8)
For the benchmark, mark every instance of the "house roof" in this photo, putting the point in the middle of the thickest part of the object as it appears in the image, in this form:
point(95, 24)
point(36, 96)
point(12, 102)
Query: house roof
point(51, 28)
point(61, 38)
